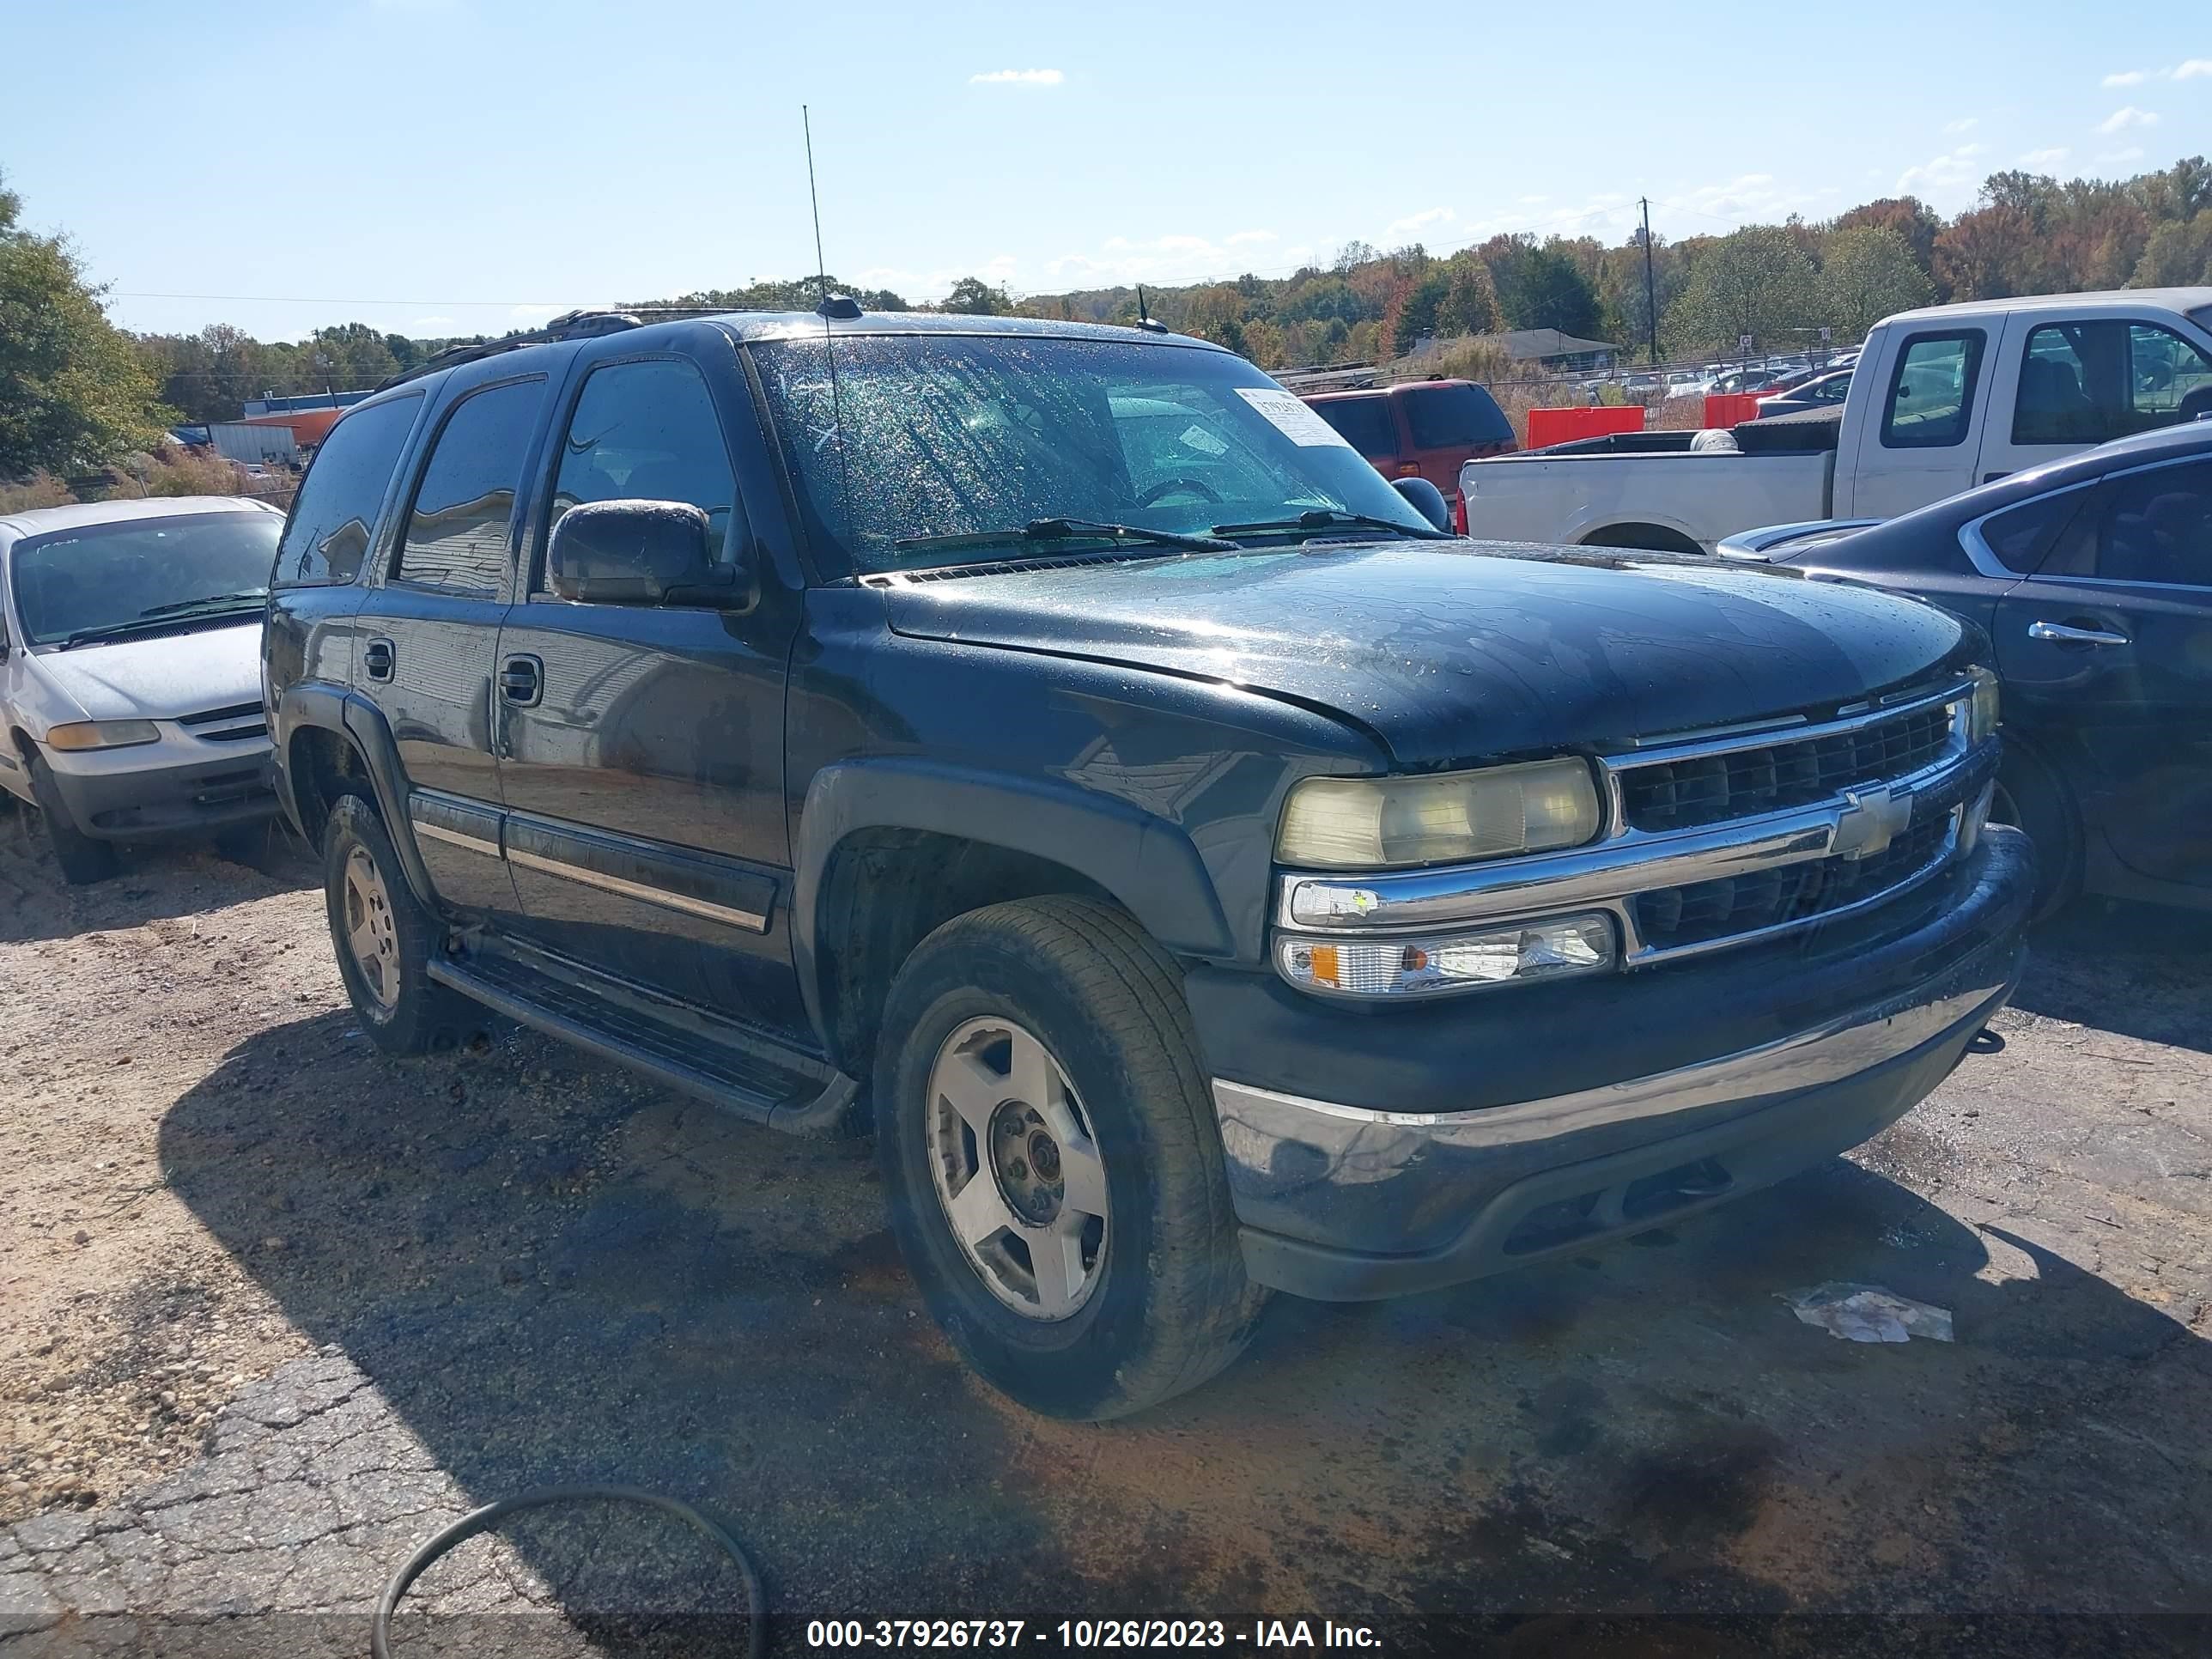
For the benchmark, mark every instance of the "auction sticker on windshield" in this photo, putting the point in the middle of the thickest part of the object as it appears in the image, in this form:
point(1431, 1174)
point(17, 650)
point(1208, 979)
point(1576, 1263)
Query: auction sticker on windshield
point(1293, 417)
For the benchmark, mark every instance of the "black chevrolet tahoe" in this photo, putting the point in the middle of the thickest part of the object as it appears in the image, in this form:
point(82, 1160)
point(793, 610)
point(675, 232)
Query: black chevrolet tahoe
point(1053, 748)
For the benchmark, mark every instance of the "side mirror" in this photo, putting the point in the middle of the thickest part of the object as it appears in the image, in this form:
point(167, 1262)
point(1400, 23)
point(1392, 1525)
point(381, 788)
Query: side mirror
point(1427, 500)
point(635, 552)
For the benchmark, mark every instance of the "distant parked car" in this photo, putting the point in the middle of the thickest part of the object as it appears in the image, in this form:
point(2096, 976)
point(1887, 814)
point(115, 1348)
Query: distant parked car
point(1821, 391)
point(130, 671)
point(1419, 428)
point(2094, 577)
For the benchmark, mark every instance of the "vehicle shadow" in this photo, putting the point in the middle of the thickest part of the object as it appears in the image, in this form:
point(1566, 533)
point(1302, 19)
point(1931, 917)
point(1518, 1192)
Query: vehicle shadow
point(2141, 969)
point(151, 883)
point(556, 1275)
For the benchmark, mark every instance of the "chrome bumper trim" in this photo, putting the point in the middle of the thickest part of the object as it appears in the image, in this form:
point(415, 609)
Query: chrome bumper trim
point(1828, 1053)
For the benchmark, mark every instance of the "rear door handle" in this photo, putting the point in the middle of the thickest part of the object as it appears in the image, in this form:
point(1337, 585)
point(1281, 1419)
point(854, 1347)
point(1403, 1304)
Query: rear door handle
point(2067, 634)
point(522, 680)
point(376, 658)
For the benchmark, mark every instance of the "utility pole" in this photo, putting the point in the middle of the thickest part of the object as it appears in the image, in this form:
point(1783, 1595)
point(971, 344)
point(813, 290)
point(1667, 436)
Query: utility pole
point(1651, 290)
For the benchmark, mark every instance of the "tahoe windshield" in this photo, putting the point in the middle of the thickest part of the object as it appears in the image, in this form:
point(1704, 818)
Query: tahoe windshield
point(114, 580)
point(926, 438)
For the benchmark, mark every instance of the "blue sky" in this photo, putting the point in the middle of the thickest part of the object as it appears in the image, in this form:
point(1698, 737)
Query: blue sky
point(449, 166)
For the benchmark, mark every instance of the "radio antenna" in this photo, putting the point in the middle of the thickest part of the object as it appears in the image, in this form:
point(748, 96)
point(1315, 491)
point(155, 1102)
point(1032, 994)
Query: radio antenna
point(836, 432)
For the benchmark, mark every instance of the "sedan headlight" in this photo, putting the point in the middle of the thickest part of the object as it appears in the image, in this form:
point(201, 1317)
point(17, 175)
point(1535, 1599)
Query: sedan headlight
point(1372, 824)
point(102, 734)
point(1982, 706)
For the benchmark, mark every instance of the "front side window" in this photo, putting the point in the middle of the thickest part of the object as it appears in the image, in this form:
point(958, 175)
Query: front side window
point(1365, 423)
point(648, 431)
point(1931, 395)
point(1454, 417)
point(109, 582)
point(457, 528)
point(328, 534)
point(2090, 382)
point(936, 449)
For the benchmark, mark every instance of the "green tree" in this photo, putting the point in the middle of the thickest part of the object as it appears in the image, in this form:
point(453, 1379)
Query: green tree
point(1414, 311)
point(1867, 273)
point(972, 296)
point(1756, 280)
point(73, 392)
point(1546, 289)
point(1217, 313)
point(2180, 255)
point(1908, 216)
point(1469, 305)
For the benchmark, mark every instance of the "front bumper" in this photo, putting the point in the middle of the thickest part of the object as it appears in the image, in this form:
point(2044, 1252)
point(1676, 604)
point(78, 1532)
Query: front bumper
point(1669, 1089)
point(129, 794)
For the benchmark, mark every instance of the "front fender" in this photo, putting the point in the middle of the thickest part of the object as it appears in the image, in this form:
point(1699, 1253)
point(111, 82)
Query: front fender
point(1147, 864)
point(350, 715)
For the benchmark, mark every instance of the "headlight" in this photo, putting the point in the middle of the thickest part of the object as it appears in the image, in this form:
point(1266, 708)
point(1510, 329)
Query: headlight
point(102, 734)
point(1417, 966)
point(1368, 824)
point(1982, 708)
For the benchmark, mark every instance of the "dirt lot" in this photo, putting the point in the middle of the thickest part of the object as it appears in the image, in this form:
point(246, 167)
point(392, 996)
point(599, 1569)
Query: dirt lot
point(275, 1307)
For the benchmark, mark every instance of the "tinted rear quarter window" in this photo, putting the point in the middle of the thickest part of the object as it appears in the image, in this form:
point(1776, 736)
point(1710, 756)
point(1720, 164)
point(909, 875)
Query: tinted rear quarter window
point(2020, 537)
point(457, 527)
point(328, 534)
point(1363, 422)
point(1454, 417)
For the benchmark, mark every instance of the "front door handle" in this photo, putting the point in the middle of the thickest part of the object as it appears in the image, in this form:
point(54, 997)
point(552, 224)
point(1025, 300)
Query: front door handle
point(522, 680)
point(2068, 634)
point(376, 658)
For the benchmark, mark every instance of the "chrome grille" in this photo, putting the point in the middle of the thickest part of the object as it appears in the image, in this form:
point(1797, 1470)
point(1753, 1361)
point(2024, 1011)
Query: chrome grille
point(236, 724)
point(1743, 782)
point(1670, 918)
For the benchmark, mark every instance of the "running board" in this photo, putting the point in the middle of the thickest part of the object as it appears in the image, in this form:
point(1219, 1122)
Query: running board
point(684, 1047)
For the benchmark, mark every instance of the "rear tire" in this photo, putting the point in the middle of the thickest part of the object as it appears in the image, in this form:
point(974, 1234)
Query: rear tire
point(384, 939)
point(83, 859)
point(1155, 1299)
point(2032, 797)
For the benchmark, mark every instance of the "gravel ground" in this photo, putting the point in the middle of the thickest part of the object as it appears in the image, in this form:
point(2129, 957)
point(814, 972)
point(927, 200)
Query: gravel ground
point(276, 1308)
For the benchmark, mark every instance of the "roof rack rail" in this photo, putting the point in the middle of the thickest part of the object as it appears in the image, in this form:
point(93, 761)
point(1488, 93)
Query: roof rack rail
point(581, 324)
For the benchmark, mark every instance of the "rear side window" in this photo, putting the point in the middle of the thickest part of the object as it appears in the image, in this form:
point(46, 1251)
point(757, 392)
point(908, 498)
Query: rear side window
point(457, 527)
point(2152, 526)
point(648, 431)
point(1931, 394)
point(2085, 383)
point(1363, 422)
point(327, 537)
point(1454, 417)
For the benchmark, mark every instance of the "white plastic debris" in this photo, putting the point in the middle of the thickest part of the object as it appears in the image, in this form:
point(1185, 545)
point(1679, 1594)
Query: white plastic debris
point(1867, 1313)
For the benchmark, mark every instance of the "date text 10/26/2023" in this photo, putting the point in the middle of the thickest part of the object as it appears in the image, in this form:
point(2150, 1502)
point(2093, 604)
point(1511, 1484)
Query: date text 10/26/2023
point(1084, 1635)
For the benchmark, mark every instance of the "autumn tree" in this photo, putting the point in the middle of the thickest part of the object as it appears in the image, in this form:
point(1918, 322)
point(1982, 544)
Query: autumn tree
point(1867, 273)
point(1217, 313)
point(1911, 218)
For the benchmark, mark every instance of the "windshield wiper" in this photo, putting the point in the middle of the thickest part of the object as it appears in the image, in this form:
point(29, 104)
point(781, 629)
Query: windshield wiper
point(256, 595)
point(1332, 518)
point(1068, 529)
point(147, 621)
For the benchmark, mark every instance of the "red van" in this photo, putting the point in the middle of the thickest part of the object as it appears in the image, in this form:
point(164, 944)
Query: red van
point(1419, 428)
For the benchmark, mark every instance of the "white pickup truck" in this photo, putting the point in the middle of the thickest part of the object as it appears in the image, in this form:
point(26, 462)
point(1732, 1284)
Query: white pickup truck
point(1941, 399)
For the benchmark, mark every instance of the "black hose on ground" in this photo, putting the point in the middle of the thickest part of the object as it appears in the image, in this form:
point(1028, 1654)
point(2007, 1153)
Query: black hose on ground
point(482, 1520)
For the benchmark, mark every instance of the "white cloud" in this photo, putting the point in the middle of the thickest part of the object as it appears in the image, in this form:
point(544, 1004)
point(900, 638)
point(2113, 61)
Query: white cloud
point(2193, 69)
point(1040, 77)
point(2124, 78)
point(2040, 160)
point(2121, 119)
point(1435, 218)
point(1952, 168)
point(1967, 124)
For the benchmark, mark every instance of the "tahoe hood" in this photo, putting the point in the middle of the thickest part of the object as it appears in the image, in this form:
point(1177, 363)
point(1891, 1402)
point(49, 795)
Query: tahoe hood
point(1462, 650)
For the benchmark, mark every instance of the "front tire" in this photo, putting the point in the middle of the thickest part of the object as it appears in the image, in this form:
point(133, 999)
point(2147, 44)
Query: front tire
point(2032, 797)
point(83, 859)
point(383, 938)
point(1055, 1173)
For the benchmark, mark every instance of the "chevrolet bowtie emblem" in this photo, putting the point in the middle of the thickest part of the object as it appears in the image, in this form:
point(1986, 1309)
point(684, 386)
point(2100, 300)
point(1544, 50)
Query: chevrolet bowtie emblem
point(1871, 820)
